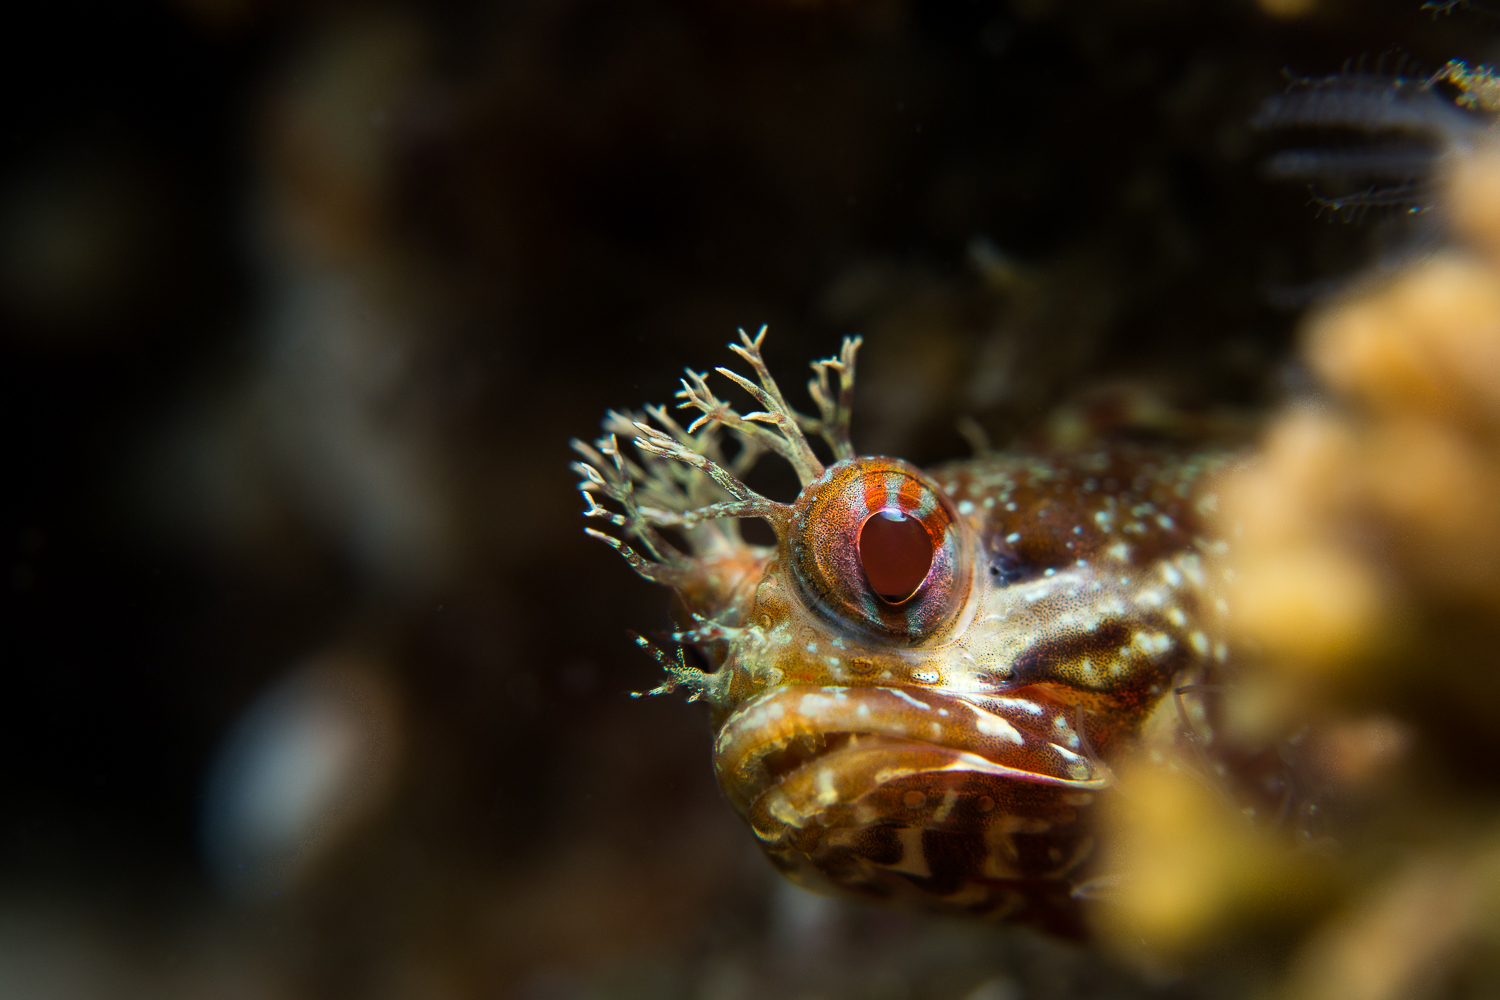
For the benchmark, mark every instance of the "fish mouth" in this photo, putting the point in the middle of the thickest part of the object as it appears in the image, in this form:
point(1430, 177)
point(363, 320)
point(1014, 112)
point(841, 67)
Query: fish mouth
point(852, 756)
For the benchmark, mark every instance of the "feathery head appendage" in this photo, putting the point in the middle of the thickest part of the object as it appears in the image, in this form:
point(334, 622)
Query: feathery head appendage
point(747, 502)
point(664, 481)
point(700, 686)
point(786, 420)
point(705, 631)
point(674, 494)
point(834, 411)
point(777, 427)
point(657, 572)
point(680, 477)
point(654, 481)
point(609, 472)
point(714, 413)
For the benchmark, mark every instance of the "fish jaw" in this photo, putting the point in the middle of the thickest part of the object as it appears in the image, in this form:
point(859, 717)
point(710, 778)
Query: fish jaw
point(893, 791)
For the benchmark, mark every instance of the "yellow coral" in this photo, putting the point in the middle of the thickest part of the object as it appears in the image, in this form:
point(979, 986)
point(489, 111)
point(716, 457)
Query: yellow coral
point(1360, 589)
point(1192, 868)
point(1474, 182)
point(1430, 343)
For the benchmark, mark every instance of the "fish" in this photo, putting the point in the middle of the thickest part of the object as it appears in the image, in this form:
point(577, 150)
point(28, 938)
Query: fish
point(917, 693)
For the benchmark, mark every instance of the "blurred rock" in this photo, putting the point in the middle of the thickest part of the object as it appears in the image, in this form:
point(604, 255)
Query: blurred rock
point(309, 761)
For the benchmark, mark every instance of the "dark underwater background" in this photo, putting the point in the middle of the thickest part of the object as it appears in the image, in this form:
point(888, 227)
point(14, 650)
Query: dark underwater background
point(313, 686)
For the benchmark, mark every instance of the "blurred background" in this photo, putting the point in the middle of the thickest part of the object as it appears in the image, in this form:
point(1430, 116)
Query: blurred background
point(313, 685)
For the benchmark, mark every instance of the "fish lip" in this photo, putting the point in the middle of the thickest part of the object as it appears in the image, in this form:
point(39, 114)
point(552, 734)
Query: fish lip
point(1020, 744)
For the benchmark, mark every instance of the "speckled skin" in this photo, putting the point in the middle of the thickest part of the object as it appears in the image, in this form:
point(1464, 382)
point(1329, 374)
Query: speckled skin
point(955, 765)
point(945, 748)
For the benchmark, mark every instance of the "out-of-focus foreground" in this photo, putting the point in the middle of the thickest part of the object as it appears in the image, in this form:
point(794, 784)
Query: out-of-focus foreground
point(1361, 582)
point(315, 687)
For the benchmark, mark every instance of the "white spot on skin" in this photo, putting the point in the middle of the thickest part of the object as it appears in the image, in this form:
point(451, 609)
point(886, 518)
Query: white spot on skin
point(1168, 572)
point(1199, 642)
point(1176, 617)
point(1119, 551)
point(906, 697)
point(1012, 538)
point(812, 647)
point(993, 725)
point(813, 705)
point(1067, 754)
point(965, 507)
point(1039, 594)
point(828, 793)
point(1193, 567)
point(1153, 644)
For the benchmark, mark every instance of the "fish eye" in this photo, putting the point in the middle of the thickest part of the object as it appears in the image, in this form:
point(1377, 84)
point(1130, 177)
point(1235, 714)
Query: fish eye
point(896, 553)
point(875, 546)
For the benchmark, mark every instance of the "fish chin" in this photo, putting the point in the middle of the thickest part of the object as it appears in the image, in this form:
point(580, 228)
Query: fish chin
point(882, 790)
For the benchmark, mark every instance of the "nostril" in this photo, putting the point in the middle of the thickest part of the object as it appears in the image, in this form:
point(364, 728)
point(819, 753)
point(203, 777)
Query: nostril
point(896, 553)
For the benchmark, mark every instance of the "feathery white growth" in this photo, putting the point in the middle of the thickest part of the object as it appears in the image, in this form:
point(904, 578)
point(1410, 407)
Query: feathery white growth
point(681, 478)
point(701, 686)
point(833, 423)
point(784, 435)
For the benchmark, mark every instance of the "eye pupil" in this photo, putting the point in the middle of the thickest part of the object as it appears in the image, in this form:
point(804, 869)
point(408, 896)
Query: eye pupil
point(896, 553)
